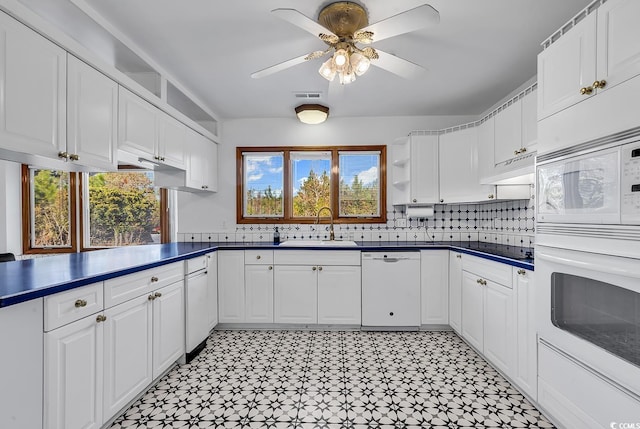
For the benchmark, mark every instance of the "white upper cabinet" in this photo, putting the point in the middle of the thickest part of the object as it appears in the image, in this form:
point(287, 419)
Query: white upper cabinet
point(33, 86)
point(415, 170)
point(171, 139)
point(597, 54)
point(459, 176)
point(508, 132)
point(202, 163)
point(92, 116)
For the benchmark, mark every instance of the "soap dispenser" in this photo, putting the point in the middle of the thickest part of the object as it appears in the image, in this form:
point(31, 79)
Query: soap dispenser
point(276, 236)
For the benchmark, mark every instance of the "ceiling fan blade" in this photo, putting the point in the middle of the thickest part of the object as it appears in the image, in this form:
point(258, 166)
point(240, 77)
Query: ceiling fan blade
point(405, 22)
point(298, 19)
point(279, 67)
point(397, 65)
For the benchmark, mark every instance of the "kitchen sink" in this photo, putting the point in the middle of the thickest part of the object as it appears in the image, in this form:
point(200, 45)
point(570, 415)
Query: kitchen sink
point(318, 243)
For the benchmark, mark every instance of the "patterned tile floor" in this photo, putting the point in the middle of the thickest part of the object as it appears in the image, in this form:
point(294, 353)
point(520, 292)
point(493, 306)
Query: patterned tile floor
point(333, 379)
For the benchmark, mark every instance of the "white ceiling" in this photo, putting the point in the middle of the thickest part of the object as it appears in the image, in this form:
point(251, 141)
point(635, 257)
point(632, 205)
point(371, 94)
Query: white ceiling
point(479, 52)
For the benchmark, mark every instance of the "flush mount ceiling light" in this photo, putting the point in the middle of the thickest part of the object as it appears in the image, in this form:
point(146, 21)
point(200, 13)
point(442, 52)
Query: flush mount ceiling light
point(312, 113)
point(344, 26)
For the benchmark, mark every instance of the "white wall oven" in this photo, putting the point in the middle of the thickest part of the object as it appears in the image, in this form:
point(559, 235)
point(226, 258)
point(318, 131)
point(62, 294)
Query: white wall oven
point(588, 283)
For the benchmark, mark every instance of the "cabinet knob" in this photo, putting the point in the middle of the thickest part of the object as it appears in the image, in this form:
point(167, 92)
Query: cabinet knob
point(523, 150)
point(157, 294)
point(74, 157)
point(599, 83)
point(162, 159)
point(441, 200)
point(490, 196)
point(481, 282)
point(63, 155)
point(151, 297)
point(154, 279)
point(319, 268)
point(516, 152)
point(80, 303)
point(258, 257)
point(157, 158)
point(587, 90)
point(101, 318)
point(522, 272)
point(459, 256)
point(415, 200)
point(270, 268)
point(313, 268)
point(391, 313)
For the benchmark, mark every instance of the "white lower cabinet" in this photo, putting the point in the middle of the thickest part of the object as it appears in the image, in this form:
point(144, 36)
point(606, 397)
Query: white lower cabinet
point(212, 292)
point(231, 286)
point(455, 291)
point(73, 375)
point(295, 293)
point(434, 284)
point(258, 293)
point(339, 295)
point(525, 370)
point(168, 327)
point(487, 311)
point(128, 356)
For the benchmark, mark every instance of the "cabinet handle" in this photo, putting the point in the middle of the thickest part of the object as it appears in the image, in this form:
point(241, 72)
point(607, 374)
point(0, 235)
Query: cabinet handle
point(162, 159)
point(154, 279)
point(157, 294)
point(80, 303)
point(599, 83)
point(523, 150)
point(459, 256)
point(63, 155)
point(415, 200)
point(319, 268)
point(587, 90)
point(313, 269)
point(441, 200)
point(516, 152)
point(270, 268)
point(74, 157)
point(157, 158)
point(151, 297)
point(522, 272)
point(101, 318)
point(258, 257)
point(481, 282)
point(491, 196)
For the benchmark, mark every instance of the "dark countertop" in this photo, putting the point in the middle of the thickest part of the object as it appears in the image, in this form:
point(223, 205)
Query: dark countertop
point(34, 278)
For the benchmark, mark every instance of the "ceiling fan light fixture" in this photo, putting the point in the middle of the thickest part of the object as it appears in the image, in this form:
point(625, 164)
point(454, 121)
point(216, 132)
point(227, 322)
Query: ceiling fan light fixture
point(347, 77)
point(312, 114)
point(360, 63)
point(341, 59)
point(327, 70)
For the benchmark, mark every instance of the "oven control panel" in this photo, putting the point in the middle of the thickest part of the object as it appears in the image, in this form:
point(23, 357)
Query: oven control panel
point(630, 186)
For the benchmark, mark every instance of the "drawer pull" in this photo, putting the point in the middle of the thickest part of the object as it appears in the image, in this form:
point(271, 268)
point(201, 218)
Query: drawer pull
point(459, 256)
point(80, 303)
point(157, 294)
point(270, 268)
point(319, 268)
point(313, 268)
point(481, 282)
point(258, 257)
point(101, 318)
point(522, 272)
point(151, 297)
point(587, 90)
point(154, 279)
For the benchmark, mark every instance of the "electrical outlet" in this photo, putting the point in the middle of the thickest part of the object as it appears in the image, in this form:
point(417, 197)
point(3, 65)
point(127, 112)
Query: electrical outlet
point(401, 223)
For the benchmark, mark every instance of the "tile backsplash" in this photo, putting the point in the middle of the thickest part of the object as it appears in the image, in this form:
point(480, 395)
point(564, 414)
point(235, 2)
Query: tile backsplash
point(509, 222)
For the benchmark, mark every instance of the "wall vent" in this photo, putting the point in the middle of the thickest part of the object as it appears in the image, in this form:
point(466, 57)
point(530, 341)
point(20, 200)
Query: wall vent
point(307, 96)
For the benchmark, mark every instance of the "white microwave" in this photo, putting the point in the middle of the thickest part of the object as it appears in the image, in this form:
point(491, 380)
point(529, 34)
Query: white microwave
point(599, 187)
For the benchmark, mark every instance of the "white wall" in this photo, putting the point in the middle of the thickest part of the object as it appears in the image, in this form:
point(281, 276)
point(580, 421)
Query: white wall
point(217, 212)
point(11, 209)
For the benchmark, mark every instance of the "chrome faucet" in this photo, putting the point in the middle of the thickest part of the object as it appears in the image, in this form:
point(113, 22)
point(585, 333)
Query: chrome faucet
point(332, 235)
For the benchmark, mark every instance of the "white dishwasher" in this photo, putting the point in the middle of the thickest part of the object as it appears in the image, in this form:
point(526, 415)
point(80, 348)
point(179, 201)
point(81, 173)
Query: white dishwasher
point(197, 320)
point(391, 289)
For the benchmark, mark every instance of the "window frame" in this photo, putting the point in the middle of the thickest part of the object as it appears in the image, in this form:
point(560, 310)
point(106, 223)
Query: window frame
point(77, 211)
point(288, 189)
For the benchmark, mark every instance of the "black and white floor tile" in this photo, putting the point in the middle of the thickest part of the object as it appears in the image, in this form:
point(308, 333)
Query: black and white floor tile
point(333, 380)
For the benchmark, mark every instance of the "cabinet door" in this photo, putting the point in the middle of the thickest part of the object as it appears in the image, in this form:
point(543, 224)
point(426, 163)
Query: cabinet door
point(195, 161)
point(295, 298)
point(339, 296)
point(508, 132)
point(499, 333)
point(172, 136)
point(73, 375)
point(259, 293)
point(231, 286)
point(128, 353)
point(530, 121)
point(526, 361)
point(168, 327)
point(486, 159)
point(424, 169)
point(459, 178)
point(565, 67)
point(212, 290)
point(434, 278)
point(33, 86)
point(92, 122)
point(618, 35)
point(211, 167)
point(455, 291)
point(137, 127)
point(197, 288)
point(472, 307)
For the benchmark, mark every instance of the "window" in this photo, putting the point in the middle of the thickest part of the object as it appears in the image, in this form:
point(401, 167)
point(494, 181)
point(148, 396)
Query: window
point(117, 209)
point(291, 184)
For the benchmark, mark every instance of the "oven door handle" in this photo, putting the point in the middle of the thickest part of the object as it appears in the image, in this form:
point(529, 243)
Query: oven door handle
point(615, 265)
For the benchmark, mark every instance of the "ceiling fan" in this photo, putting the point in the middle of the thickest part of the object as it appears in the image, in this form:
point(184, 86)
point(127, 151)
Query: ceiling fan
point(344, 27)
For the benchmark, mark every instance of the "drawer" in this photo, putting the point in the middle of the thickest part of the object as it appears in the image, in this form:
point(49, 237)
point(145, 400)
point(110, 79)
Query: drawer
point(317, 257)
point(258, 257)
point(488, 270)
point(196, 264)
point(72, 305)
point(124, 288)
